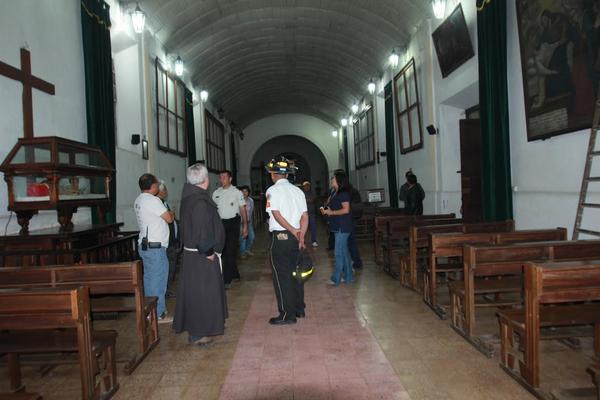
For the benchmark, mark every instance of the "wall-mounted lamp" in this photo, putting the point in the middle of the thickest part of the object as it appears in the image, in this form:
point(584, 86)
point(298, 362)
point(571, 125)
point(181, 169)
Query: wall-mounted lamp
point(371, 86)
point(179, 66)
point(203, 95)
point(354, 108)
point(138, 19)
point(439, 8)
point(394, 59)
point(144, 149)
point(334, 133)
point(344, 122)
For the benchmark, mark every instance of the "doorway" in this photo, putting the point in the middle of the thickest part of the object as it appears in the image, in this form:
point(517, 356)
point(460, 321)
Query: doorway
point(470, 169)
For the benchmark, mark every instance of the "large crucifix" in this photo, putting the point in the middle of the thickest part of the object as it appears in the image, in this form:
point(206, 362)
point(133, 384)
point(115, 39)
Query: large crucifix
point(29, 82)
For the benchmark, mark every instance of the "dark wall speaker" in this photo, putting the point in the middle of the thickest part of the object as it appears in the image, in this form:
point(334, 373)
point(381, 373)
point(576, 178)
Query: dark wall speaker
point(431, 129)
point(135, 139)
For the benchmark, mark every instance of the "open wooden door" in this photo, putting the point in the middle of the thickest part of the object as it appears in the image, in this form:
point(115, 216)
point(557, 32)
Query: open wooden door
point(470, 169)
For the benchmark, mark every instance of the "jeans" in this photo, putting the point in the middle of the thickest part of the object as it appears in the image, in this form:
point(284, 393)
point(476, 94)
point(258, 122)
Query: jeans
point(156, 272)
point(312, 226)
point(343, 263)
point(246, 244)
point(354, 253)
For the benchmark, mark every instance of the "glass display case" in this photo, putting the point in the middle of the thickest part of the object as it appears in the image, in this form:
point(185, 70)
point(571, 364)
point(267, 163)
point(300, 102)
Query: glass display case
point(53, 173)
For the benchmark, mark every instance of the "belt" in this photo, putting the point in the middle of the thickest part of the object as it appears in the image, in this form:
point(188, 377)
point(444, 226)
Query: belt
point(188, 249)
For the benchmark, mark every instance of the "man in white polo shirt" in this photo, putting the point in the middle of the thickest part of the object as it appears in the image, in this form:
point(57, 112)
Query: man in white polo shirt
point(288, 222)
point(153, 219)
point(232, 208)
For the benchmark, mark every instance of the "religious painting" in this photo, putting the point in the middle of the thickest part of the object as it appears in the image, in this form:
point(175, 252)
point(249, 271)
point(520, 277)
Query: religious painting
point(452, 42)
point(560, 60)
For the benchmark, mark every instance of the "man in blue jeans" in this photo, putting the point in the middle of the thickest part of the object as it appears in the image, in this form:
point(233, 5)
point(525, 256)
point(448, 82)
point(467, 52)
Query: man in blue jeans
point(153, 219)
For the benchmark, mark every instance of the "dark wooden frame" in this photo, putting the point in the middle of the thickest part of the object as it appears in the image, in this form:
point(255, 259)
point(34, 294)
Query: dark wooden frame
point(212, 145)
point(369, 138)
point(178, 85)
point(412, 145)
point(526, 55)
point(460, 54)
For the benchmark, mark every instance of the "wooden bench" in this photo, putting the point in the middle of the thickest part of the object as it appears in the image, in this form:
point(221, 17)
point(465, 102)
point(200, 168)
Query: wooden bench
point(556, 295)
point(57, 320)
point(594, 371)
point(497, 270)
point(115, 282)
point(450, 245)
point(418, 243)
point(20, 396)
point(122, 247)
point(396, 243)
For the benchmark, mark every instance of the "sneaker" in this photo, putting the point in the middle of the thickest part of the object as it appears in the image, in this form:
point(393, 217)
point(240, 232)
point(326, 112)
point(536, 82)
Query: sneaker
point(165, 318)
point(249, 253)
point(315, 244)
point(332, 283)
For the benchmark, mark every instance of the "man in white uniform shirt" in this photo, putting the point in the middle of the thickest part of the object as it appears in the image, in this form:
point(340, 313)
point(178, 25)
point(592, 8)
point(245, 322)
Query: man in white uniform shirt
point(153, 219)
point(232, 209)
point(288, 222)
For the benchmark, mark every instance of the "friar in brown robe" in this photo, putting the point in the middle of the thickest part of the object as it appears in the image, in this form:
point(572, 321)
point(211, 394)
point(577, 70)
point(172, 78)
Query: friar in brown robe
point(201, 307)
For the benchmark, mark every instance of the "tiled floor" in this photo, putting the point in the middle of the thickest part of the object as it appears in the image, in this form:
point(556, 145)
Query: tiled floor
point(371, 339)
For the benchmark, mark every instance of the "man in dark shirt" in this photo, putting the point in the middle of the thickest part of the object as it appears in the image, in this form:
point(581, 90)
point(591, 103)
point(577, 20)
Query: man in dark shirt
point(413, 204)
point(312, 214)
point(404, 189)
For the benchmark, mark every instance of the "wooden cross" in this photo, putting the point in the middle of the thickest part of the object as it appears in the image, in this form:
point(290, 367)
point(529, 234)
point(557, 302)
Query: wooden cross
point(29, 82)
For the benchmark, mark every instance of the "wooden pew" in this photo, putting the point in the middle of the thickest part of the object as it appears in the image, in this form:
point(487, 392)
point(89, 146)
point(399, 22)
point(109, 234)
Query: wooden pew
point(20, 396)
point(594, 371)
point(34, 321)
point(396, 242)
point(450, 245)
point(364, 227)
point(497, 270)
point(380, 229)
point(115, 281)
point(418, 243)
point(556, 295)
point(122, 247)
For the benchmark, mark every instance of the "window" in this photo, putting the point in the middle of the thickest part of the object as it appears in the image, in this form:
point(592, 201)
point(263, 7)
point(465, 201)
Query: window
point(170, 112)
point(408, 113)
point(215, 143)
point(364, 139)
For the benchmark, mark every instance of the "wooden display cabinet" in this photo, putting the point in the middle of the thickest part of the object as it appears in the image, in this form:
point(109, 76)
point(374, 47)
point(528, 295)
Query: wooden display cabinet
point(53, 173)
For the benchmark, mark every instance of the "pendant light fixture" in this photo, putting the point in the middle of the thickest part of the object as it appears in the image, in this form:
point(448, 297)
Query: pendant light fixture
point(138, 19)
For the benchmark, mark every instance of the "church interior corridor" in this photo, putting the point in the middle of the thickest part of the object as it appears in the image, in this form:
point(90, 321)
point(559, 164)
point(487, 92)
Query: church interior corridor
point(173, 171)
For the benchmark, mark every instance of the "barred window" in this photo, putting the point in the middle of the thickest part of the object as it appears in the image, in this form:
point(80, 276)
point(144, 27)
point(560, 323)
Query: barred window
point(408, 114)
point(215, 143)
point(364, 139)
point(170, 112)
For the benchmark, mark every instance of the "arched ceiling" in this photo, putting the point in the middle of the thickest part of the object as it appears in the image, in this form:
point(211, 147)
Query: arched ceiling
point(262, 57)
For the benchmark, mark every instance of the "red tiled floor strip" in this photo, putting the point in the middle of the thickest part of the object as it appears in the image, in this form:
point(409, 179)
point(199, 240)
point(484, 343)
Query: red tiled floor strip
point(330, 354)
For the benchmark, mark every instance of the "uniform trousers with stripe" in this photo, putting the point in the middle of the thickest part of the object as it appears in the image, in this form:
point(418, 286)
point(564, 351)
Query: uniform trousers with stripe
point(284, 256)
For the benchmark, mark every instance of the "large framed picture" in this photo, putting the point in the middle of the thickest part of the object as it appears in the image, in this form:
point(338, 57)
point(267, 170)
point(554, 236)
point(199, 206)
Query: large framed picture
point(560, 61)
point(452, 42)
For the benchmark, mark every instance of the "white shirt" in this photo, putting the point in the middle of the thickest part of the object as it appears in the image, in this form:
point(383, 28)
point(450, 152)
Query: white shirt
point(148, 210)
point(289, 201)
point(229, 201)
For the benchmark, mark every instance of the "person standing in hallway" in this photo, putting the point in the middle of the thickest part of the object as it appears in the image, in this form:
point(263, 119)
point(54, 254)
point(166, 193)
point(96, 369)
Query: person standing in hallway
point(153, 219)
point(201, 307)
point(288, 222)
point(340, 223)
point(312, 212)
point(414, 197)
point(406, 186)
point(232, 210)
point(174, 249)
point(246, 243)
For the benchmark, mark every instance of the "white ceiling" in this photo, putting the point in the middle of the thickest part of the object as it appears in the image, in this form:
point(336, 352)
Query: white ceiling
point(262, 57)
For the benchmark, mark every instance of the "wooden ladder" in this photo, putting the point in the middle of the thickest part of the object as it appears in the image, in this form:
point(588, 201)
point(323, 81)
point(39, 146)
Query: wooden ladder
point(591, 153)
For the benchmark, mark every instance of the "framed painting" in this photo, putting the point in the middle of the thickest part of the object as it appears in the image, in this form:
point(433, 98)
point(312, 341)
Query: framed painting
point(560, 61)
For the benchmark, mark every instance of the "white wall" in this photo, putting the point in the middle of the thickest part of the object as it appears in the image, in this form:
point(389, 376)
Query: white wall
point(311, 128)
point(51, 29)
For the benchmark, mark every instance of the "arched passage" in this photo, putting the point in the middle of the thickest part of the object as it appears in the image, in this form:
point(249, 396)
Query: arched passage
point(310, 160)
